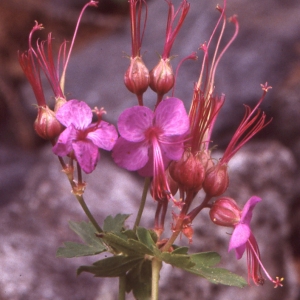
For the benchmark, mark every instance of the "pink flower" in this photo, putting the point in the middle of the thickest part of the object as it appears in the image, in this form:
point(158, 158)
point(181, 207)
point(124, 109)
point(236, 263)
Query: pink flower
point(81, 136)
point(242, 239)
point(149, 140)
point(242, 231)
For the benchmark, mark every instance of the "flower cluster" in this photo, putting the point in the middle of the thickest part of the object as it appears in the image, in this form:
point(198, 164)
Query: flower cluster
point(166, 143)
point(68, 126)
point(175, 149)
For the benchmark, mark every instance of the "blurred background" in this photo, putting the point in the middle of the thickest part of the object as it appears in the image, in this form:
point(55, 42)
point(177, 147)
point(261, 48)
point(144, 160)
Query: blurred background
point(36, 202)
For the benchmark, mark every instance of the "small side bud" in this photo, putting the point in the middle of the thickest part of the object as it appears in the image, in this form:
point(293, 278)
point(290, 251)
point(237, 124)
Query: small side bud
point(59, 102)
point(46, 125)
point(216, 180)
point(225, 212)
point(161, 77)
point(189, 171)
point(188, 231)
point(136, 78)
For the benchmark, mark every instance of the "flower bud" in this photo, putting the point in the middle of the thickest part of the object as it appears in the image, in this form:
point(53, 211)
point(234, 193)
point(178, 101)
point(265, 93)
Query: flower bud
point(189, 171)
point(225, 212)
point(46, 125)
point(162, 77)
point(216, 180)
point(136, 78)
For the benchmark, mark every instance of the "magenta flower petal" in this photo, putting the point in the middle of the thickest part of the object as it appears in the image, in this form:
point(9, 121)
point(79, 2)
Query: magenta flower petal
point(246, 215)
point(128, 155)
point(172, 148)
point(239, 238)
point(147, 170)
point(104, 137)
point(133, 123)
point(63, 145)
point(171, 116)
point(75, 112)
point(87, 155)
point(239, 251)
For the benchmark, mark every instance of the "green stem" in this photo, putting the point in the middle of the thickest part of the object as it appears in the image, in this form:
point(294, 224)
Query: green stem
point(88, 213)
point(171, 241)
point(142, 203)
point(80, 198)
point(156, 266)
point(122, 288)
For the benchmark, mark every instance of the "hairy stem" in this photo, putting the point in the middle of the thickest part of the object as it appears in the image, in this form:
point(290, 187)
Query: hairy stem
point(122, 288)
point(156, 266)
point(88, 213)
point(142, 203)
point(80, 198)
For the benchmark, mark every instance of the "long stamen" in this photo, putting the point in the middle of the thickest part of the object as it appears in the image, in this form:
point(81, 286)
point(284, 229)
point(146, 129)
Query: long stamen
point(276, 281)
point(233, 19)
point(62, 80)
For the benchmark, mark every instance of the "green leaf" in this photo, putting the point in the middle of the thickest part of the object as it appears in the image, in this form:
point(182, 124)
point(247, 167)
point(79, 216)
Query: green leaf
point(115, 224)
point(145, 237)
point(130, 234)
point(177, 260)
point(128, 247)
point(86, 231)
point(180, 250)
point(114, 266)
point(204, 261)
point(138, 280)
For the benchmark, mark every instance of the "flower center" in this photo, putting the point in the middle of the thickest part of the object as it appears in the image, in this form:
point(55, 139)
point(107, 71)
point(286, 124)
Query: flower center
point(153, 133)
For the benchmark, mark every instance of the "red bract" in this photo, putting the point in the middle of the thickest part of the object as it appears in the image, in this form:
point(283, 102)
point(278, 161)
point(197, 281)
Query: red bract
point(253, 122)
point(34, 60)
point(32, 70)
point(171, 32)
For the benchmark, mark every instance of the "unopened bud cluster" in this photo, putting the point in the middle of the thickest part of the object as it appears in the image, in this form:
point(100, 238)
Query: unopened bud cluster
point(197, 171)
point(137, 78)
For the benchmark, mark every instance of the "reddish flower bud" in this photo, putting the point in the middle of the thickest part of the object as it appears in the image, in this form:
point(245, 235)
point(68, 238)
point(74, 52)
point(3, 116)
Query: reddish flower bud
point(225, 212)
point(161, 77)
point(189, 171)
point(136, 78)
point(46, 125)
point(216, 180)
